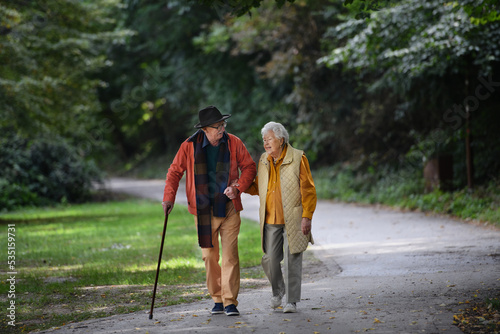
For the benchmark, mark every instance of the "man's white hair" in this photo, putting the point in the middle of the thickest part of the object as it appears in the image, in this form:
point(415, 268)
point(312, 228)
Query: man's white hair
point(277, 128)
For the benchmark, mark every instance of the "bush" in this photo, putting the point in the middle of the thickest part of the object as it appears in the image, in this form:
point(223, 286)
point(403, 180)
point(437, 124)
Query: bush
point(404, 188)
point(43, 171)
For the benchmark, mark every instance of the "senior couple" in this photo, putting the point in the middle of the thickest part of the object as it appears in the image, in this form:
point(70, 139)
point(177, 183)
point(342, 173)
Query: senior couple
point(218, 169)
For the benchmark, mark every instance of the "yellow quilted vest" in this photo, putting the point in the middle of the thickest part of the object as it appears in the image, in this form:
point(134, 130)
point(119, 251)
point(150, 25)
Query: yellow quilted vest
point(290, 195)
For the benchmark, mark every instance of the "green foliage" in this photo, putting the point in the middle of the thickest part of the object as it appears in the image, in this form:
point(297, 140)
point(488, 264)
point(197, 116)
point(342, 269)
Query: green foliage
point(482, 11)
point(238, 7)
point(264, 67)
point(418, 64)
point(364, 8)
point(154, 87)
point(282, 46)
point(152, 101)
point(412, 38)
point(365, 82)
point(41, 172)
point(404, 188)
point(382, 185)
point(50, 54)
point(493, 303)
point(50, 49)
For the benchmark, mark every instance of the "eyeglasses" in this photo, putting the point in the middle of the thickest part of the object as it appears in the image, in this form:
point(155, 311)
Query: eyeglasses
point(223, 125)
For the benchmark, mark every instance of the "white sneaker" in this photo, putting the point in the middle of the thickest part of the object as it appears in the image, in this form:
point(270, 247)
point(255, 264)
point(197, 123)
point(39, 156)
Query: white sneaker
point(276, 301)
point(290, 308)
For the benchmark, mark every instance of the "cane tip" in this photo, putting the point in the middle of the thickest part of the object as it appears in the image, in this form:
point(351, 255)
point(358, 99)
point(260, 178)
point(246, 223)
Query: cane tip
point(150, 316)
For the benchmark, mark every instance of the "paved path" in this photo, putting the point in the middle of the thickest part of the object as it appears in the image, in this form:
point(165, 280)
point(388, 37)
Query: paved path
point(379, 271)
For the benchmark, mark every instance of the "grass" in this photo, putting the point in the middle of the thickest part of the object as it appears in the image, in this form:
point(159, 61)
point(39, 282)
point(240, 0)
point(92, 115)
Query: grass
point(479, 318)
point(76, 262)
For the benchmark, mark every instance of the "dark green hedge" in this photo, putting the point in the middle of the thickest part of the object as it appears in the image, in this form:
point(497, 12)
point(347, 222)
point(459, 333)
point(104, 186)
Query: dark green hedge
point(41, 172)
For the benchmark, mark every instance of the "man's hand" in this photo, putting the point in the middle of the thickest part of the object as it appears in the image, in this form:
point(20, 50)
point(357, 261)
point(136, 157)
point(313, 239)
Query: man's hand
point(231, 192)
point(306, 226)
point(234, 183)
point(167, 207)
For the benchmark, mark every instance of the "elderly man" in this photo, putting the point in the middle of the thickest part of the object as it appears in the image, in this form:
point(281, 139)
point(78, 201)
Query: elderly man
point(212, 157)
point(287, 202)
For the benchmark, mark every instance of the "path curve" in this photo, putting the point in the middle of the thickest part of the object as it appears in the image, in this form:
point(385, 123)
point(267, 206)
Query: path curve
point(383, 271)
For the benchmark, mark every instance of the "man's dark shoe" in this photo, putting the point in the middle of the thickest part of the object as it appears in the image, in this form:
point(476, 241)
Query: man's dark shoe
point(231, 310)
point(218, 308)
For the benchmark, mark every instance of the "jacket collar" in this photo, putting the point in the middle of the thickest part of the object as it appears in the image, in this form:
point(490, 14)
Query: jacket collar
point(289, 155)
point(286, 160)
point(200, 132)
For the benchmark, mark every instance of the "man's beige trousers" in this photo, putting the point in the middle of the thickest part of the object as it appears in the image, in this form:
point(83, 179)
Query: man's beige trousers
point(223, 281)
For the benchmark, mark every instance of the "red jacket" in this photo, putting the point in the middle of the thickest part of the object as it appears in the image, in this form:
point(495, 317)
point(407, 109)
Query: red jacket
point(239, 160)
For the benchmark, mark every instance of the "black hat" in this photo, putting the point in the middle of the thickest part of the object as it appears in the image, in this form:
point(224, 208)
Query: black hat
point(210, 115)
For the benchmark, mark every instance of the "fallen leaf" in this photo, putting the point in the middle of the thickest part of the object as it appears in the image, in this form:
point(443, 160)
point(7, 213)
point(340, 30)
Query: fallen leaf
point(376, 321)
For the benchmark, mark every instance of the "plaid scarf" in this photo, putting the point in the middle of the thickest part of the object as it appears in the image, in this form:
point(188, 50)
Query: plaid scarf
point(201, 181)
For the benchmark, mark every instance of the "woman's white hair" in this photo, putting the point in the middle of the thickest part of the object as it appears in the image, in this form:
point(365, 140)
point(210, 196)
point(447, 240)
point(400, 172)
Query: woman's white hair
point(277, 128)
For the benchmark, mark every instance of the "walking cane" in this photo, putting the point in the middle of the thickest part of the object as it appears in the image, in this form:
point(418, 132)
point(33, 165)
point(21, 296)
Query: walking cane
point(158, 269)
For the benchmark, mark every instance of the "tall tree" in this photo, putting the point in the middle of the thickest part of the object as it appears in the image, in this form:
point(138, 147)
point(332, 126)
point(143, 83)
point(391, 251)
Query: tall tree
point(425, 56)
point(165, 75)
point(282, 46)
point(49, 51)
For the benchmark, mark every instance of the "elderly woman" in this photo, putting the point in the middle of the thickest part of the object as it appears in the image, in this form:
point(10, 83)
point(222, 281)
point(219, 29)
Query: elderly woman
point(287, 203)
